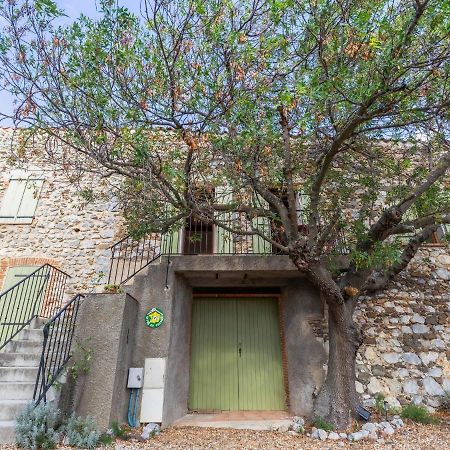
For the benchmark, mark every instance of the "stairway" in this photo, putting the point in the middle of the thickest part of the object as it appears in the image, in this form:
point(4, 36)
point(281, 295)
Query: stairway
point(19, 363)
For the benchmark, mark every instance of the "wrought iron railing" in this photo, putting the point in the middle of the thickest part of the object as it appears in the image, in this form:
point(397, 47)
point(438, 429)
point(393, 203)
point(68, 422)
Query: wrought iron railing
point(39, 294)
point(129, 256)
point(56, 348)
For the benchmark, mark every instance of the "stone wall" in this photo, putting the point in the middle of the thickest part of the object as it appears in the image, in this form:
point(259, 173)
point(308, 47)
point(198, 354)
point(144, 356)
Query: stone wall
point(65, 232)
point(406, 350)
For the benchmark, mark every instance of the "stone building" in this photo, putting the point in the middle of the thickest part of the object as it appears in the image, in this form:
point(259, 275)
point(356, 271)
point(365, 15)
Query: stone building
point(44, 220)
point(218, 324)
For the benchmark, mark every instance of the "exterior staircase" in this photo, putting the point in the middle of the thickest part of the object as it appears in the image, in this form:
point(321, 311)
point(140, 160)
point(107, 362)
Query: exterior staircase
point(19, 364)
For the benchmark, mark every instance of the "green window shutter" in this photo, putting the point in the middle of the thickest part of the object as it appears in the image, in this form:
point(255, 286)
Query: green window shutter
point(12, 198)
point(303, 208)
point(225, 243)
point(16, 274)
point(29, 201)
point(260, 245)
point(20, 200)
point(170, 241)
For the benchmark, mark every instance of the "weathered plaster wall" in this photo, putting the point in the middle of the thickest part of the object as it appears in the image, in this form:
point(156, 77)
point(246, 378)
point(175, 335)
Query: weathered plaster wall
point(305, 354)
point(105, 326)
point(406, 350)
point(65, 231)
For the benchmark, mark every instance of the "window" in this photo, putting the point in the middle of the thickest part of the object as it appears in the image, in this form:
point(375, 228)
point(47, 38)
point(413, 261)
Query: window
point(20, 200)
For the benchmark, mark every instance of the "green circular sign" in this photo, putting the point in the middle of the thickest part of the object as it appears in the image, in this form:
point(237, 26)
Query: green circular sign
point(154, 318)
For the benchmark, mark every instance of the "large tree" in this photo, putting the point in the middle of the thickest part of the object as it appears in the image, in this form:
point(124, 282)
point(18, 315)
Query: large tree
point(346, 101)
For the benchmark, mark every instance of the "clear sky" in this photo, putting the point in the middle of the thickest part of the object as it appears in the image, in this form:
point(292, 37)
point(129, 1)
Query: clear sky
point(73, 8)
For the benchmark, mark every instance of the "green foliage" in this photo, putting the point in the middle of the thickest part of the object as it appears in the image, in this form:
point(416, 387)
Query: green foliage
point(118, 431)
point(105, 439)
point(35, 427)
point(445, 402)
point(112, 289)
point(379, 403)
point(82, 363)
point(418, 413)
point(82, 432)
point(320, 422)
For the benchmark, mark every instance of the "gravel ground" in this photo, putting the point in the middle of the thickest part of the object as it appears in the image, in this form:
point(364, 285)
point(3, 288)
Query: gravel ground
point(410, 437)
point(414, 437)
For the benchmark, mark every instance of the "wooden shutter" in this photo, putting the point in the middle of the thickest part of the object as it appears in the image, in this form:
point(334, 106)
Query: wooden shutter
point(16, 274)
point(170, 241)
point(225, 243)
point(260, 245)
point(29, 201)
point(303, 208)
point(20, 200)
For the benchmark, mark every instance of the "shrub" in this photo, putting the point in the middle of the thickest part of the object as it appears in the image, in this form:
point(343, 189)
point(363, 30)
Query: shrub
point(35, 427)
point(82, 432)
point(319, 422)
point(105, 439)
point(118, 431)
point(418, 413)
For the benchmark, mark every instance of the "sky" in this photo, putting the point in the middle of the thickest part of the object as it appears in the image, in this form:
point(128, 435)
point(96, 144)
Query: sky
point(73, 9)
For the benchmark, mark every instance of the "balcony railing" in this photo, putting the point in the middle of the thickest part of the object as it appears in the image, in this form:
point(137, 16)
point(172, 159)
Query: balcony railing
point(129, 256)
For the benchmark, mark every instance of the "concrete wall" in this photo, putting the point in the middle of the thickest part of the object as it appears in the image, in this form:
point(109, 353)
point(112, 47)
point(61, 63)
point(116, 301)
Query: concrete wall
point(171, 290)
point(106, 324)
point(306, 356)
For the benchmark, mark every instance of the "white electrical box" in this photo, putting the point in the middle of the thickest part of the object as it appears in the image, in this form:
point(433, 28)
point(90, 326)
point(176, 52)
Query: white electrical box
point(154, 373)
point(135, 377)
point(153, 392)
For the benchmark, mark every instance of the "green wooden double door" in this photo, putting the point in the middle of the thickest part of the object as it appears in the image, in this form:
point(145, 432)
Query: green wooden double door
point(236, 359)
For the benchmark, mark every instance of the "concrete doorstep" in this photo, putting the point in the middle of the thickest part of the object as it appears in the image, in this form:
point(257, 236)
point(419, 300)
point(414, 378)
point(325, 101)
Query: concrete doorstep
point(239, 420)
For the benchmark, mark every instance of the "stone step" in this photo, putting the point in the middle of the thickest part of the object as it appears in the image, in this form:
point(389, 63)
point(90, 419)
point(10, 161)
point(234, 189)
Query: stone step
point(23, 346)
point(7, 431)
point(20, 359)
point(10, 409)
point(34, 335)
point(38, 323)
point(20, 390)
point(18, 374)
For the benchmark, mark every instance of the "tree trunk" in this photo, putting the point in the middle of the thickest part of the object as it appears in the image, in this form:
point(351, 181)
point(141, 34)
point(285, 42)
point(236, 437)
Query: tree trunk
point(337, 399)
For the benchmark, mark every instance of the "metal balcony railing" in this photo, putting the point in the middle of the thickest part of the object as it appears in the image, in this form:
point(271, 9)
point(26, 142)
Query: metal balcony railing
point(129, 256)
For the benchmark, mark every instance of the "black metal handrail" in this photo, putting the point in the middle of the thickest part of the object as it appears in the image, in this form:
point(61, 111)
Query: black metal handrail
point(56, 348)
point(129, 256)
point(40, 294)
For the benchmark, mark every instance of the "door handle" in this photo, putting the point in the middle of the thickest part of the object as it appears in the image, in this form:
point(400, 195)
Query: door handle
point(240, 350)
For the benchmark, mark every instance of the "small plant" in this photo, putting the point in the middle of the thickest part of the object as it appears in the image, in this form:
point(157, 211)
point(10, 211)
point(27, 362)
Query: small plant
point(320, 422)
point(83, 358)
point(445, 402)
point(82, 432)
point(112, 289)
point(379, 403)
point(105, 439)
point(35, 427)
point(418, 413)
point(118, 431)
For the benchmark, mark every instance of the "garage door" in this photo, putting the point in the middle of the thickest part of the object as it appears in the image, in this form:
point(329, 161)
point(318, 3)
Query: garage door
point(236, 355)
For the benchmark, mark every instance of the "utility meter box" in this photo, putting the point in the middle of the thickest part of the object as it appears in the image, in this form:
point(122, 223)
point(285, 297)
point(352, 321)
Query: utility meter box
point(135, 377)
point(153, 392)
